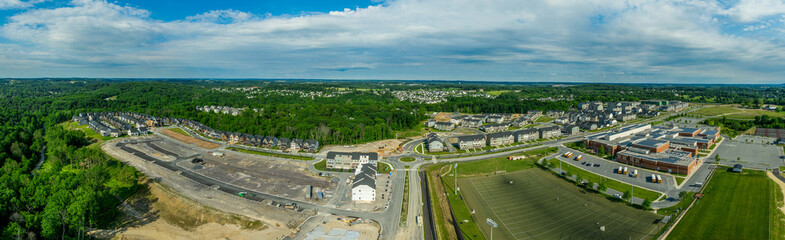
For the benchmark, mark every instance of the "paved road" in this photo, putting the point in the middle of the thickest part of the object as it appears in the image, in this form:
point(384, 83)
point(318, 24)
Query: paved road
point(387, 219)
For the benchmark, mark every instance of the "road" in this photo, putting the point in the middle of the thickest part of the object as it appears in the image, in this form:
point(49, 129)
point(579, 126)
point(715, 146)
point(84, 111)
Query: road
point(388, 219)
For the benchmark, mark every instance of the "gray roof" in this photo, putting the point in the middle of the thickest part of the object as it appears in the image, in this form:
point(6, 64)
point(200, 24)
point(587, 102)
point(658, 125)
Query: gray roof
point(471, 138)
point(526, 131)
point(366, 176)
point(499, 135)
point(355, 155)
point(547, 129)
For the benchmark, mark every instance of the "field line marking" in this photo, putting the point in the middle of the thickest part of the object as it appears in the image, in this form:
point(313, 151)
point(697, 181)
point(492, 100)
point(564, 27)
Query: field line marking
point(494, 211)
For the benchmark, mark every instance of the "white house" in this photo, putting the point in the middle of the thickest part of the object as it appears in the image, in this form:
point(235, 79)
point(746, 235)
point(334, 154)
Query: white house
point(364, 185)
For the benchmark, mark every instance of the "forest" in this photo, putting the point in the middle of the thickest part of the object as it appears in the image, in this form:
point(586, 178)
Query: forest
point(75, 187)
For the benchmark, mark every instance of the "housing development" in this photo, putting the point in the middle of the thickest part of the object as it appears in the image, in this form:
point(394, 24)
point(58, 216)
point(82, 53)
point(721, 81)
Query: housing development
point(328, 160)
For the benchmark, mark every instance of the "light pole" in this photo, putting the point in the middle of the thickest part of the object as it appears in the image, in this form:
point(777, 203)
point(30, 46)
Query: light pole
point(491, 223)
point(455, 187)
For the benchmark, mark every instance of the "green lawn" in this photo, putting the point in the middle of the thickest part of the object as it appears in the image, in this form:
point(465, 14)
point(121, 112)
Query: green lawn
point(71, 125)
point(383, 168)
point(180, 131)
point(407, 159)
point(716, 110)
point(303, 158)
point(321, 165)
point(610, 183)
point(543, 119)
point(492, 165)
point(405, 206)
point(497, 92)
point(679, 180)
point(734, 206)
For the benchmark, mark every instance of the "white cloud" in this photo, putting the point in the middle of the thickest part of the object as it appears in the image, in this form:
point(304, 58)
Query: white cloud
point(436, 39)
point(754, 10)
point(17, 4)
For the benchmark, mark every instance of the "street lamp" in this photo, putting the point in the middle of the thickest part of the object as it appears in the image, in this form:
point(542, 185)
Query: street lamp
point(491, 223)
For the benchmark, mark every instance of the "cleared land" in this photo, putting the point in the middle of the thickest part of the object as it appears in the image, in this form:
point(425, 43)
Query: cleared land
point(260, 153)
point(538, 205)
point(188, 139)
point(735, 206)
point(277, 177)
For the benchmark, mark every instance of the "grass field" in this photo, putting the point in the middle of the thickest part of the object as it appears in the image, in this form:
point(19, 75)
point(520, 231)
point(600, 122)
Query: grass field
point(497, 92)
point(735, 206)
point(716, 110)
point(492, 165)
point(538, 205)
point(407, 159)
point(610, 183)
point(736, 113)
point(180, 131)
point(303, 158)
point(543, 119)
point(98, 139)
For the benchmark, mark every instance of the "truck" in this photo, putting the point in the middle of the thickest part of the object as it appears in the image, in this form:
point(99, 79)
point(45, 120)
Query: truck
point(659, 179)
point(419, 220)
point(578, 158)
point(625, 170)
point(635, 173)
point(698, 184)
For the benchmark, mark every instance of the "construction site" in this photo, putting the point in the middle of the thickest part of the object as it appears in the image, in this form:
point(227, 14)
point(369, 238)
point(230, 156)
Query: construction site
point(288, 179)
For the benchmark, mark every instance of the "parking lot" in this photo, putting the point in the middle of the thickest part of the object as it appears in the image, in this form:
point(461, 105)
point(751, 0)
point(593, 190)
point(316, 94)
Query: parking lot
point(608, 169)
point(751, 152)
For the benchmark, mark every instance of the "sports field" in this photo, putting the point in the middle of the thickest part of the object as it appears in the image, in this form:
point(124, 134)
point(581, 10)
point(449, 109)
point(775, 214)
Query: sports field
point(734, 206)
point(538, 205)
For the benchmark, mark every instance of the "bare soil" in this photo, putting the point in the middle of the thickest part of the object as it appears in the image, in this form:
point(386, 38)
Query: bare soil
point(383, 147)
point(782, 187)
point(189, 139)
point(157, 213)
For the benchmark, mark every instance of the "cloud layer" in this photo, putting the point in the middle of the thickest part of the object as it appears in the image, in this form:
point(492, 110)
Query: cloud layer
point(555, 40)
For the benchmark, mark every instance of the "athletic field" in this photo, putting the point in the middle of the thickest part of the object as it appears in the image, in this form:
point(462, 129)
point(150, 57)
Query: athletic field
point(538, 205)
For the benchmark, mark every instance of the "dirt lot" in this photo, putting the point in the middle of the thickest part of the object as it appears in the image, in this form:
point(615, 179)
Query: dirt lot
point(442, 117)
point(188, 139)
point(281, 178)
point(176, 148)
point(383, 147)
point(157, 213)
point(328, 223)
point(282, 220)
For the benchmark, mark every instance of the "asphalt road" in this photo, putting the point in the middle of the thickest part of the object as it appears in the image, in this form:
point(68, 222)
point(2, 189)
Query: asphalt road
point(388, 219)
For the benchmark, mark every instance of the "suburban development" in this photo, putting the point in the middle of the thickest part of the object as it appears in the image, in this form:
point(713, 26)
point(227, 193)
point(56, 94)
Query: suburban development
point(392, 120)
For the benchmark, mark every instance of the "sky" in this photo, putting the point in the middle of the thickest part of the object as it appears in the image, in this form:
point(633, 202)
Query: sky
point(632, 41)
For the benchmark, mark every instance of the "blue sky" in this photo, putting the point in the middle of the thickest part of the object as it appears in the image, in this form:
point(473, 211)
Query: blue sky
point(672, 41)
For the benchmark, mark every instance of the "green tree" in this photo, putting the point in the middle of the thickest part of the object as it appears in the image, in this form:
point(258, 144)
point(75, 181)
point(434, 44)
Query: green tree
point(602, 187)
point(578, 178)
point(627, 195)
point(646, 203)
point(717, 157)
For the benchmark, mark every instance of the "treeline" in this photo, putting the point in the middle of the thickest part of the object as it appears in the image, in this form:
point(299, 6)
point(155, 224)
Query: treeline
point(78, 189)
